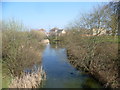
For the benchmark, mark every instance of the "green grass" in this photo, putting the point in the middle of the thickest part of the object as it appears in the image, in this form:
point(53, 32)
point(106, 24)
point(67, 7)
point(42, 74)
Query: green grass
point(0, 75)
point(4, 82)
point(101, 39)
point(5, 78)
point(112, 39)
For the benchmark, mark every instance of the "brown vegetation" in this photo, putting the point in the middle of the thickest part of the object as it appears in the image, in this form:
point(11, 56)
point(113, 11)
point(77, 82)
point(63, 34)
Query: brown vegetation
point(97, 54)
point(29, 80)
point(103, 65)
point(21, 48)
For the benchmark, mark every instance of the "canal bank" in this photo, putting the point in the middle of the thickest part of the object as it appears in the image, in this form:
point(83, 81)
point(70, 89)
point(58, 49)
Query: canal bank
point(61, 74)
point(103, 71)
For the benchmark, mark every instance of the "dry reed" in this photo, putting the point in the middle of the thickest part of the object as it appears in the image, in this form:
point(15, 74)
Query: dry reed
point(29, 80)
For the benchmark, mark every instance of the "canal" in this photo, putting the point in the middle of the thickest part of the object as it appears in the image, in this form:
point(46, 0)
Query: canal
point(61, 74)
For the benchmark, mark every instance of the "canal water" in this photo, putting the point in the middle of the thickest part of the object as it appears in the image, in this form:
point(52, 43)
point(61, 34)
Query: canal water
point(61, 74)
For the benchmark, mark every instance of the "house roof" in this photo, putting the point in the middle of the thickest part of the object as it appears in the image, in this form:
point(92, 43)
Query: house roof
point(53, 29)
point(59, 30)
point(41, 30)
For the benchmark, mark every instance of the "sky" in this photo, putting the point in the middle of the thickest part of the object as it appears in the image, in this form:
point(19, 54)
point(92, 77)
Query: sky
point(45, 15)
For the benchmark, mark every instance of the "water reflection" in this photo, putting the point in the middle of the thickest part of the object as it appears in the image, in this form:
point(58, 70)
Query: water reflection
point(60, 73)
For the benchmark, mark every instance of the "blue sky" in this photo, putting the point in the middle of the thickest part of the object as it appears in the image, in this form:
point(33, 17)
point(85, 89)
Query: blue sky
point(45, 14)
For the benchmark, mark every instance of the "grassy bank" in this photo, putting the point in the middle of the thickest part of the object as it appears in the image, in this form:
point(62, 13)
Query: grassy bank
point(21, 49)
point(98, 55)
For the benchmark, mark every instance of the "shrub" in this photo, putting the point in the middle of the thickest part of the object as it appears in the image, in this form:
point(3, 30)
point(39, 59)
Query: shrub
point(95, 54)
point(21, 48)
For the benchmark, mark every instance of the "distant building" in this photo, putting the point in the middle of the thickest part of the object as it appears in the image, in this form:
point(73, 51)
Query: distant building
point(61, 32)
point(56, 31)
point(42, 30)
point(47, 34)
point(53, 31)
point(100, 31)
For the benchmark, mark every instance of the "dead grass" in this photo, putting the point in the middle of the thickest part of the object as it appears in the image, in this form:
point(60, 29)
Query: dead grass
point(29, 80)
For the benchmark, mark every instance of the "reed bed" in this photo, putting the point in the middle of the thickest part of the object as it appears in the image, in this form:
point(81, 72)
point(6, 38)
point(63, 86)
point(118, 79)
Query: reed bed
point(29, 80)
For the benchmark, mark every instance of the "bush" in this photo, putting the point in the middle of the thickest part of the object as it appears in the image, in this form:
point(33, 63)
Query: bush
point(97, 55)
point(21, 48)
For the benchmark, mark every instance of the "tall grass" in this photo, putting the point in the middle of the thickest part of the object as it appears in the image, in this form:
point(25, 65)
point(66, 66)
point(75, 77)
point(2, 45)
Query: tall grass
point(21, 48)
point(29, 80)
